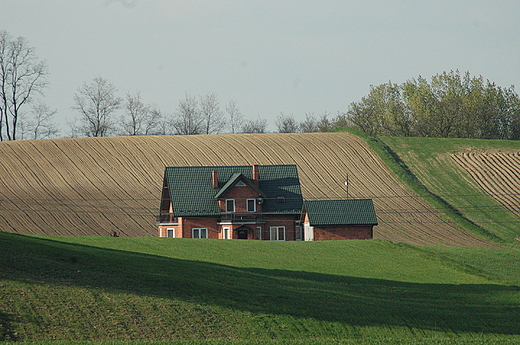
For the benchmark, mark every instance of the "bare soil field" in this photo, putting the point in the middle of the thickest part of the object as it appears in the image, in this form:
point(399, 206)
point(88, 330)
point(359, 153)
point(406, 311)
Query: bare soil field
point(496, 172)
point(101, 186)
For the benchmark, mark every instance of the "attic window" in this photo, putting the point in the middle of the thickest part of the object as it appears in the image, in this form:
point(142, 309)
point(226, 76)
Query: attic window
point(280, 199)
point(240, 184)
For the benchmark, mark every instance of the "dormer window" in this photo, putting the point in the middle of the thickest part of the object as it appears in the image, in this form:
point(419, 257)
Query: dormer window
point(280, 199)
point(230, 205)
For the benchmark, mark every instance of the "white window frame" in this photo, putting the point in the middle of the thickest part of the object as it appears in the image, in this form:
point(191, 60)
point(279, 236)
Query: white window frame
point(259, 229)
point(199, 232)
point(226, 233)
point(170, 230)
point(227, 209)
point(276, 230)
point(254, 205)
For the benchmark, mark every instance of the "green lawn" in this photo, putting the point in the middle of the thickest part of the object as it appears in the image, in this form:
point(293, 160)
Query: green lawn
point(255, 292)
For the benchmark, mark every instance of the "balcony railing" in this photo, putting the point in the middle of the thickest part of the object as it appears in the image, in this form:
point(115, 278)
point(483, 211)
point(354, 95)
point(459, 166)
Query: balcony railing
point(169, 218)
point(242, 217)
point(166, 218)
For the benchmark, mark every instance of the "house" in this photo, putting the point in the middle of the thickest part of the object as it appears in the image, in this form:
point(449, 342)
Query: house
point(262, 202)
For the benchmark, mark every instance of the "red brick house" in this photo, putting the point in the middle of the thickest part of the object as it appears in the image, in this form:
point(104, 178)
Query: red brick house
point(262, 202)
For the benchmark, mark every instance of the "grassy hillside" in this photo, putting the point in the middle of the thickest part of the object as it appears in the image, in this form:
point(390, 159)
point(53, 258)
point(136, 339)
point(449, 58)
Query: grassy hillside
point(97, 186)
point(486, 200)
point(101, 288)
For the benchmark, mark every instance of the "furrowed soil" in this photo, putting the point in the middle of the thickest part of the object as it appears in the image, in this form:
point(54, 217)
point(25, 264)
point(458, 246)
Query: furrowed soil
point(105, 186)
point(496, 172)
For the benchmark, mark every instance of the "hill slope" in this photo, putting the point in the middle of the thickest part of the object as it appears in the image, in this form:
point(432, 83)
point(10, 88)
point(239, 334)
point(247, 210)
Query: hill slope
point(95, 186)
point(102, 288)
point(476, 179)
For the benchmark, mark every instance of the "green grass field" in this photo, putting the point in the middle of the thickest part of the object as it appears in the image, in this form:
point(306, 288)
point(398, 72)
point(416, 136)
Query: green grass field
point(255, 292)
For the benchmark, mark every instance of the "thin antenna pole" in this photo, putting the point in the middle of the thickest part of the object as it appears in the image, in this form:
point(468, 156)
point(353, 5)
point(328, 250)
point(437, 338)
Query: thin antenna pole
point(346, 185)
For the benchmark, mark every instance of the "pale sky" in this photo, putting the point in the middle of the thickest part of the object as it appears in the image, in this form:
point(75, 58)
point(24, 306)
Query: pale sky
point(278, 56)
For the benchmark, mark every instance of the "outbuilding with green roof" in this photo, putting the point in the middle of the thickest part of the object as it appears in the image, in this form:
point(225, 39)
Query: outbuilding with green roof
point(339, 219)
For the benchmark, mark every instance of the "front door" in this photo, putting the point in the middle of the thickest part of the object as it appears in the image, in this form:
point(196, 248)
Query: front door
point(242, 234)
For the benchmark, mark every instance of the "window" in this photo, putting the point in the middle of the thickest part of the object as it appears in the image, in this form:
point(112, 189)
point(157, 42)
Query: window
point(240, 184)
point(251, 205)
point(225, 234)
point(280, 199)
point(170, 232)
point(230, 205)
point(259, 229)
point(200, 232)
point(299, 233)
point(278, 233)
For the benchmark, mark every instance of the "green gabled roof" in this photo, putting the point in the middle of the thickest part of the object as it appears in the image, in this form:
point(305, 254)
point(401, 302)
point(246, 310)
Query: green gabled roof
point(231, 182)
point(341, 212)
point(192, 193)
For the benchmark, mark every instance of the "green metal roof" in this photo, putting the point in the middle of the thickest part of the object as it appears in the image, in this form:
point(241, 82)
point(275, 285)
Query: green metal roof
point(192, 193)
point(341, 212)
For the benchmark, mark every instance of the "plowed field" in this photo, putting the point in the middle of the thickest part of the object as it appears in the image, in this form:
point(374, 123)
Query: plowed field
point(498, 173)
point(97, 186)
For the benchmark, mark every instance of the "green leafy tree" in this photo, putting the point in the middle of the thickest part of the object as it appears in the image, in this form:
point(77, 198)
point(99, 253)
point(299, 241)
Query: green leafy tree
point(450, 105)
point(382, 112)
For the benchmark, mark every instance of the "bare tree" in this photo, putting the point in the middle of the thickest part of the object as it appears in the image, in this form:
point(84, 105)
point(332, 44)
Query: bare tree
point(41, 124)
point(21, 75)
point(310, 124)
point(188, 120)
point(24, 127)
point(236, 119)
point(139, 118)
point(254, 126)
point(96, 103)
point(135, 113)
point(286, 124)
point(153, 123)
point(164, 125)
point(213, 118)
point(73, 127)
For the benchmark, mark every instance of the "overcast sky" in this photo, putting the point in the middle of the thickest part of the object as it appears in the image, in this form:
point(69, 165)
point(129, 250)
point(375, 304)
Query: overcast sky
point(278, 56)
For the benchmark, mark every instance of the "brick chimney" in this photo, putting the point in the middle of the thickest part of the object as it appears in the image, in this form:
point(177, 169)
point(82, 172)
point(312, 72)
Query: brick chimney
point(256, 176)
point(214, 178)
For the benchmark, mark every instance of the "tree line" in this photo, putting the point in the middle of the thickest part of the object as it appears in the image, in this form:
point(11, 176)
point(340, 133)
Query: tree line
point(97, 103)
point(102, 112)
point(450, 105)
